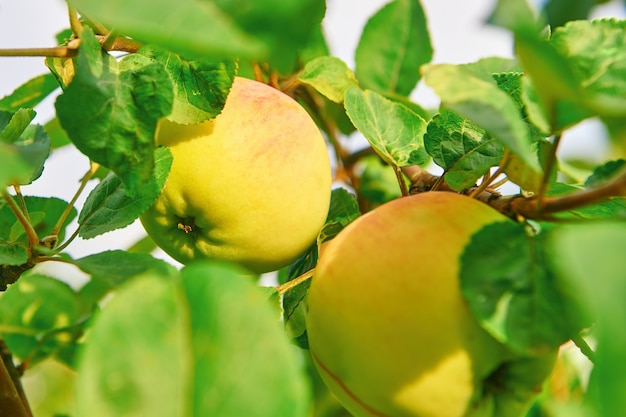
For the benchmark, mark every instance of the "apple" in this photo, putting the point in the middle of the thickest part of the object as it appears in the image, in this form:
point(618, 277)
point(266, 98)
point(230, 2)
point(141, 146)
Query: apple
point(389, 330)
point(251, 186)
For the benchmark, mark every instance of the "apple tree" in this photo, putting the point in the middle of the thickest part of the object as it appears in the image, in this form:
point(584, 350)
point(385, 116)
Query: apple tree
point(464, 217)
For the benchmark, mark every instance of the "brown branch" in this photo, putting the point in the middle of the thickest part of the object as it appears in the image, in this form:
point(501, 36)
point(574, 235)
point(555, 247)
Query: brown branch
point(516, 206)
point(56, 52)
point(120, 44)
point(13, 400)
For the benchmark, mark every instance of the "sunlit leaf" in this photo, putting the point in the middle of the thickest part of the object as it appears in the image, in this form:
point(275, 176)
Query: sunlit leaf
point(110, 110)
point(590, 259)
point(462, 149)
point(38, 316)
point(108, 207)
point(394, 131)
point(486, 105)
point(18, 121)
point(12, 253)
point(197, 343)
point(330, 76)
point(110, 269)
point(200, 86)
point(510, 287)
point(29, 94)
point(44, 213)
point(394, 44)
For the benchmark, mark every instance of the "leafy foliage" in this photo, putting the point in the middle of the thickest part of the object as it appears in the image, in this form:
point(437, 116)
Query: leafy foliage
point(204, 340)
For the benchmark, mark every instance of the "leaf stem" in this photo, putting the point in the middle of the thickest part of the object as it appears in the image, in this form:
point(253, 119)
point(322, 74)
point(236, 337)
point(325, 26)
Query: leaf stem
point(75, 24)
point(489, 180)
point(283, 288)
point(31, 233)
point(401, 182)
point(68, 241)
point(22, 202)
point(93, 167)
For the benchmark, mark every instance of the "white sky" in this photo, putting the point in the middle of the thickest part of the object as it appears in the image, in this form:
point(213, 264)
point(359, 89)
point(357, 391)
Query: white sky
point(457, 31)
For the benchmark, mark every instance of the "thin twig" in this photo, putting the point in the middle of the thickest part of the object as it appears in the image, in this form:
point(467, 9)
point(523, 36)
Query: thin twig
point(283, 288)
point(31, 233)
point(75, 24)
point(21, 201)
point(55, 52)
point(92, 170)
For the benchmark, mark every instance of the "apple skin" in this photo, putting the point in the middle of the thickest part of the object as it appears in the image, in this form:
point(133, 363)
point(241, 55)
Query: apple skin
point(389, 330)
point(251, 186)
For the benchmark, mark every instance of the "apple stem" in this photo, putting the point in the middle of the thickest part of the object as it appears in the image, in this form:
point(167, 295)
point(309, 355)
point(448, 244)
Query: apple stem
point(400, 176)
point(289, 285)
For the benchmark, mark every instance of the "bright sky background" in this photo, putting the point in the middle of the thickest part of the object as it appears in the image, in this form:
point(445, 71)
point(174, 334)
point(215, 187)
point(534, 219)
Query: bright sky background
point(457, 29)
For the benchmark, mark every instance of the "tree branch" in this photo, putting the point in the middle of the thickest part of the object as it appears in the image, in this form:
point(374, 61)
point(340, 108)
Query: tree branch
point(13, 400)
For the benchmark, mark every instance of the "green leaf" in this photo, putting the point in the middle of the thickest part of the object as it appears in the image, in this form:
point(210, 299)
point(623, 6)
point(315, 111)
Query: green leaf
point(226, 352)
point(200, 86)
point(33, 146)
point(58, 137)
point(29, 94)
point(285, 26)
point(605, 172)
point(143, 245)
point(559, 12)
point(40, 317)
point(198, 29)
point(515, 15)
point(485, 104)
point(29, 142)
point(343, 210)
point(590, 259)
point(261, 30)
point(378, 182)
point(135, 361)
point(12, 253)
point(510, 287)
point(13, 169)
point(110, 110)
point(487, 68)
point(108, 206)
point(111, 269)
point(554, 83)
point(197, 344)
point(394, 44)
point(516, 169)
point(394, 131)
point(63, 70)
point(465, 151)
point(595, 52)
point(330, 76)
point(17, 123)
point(44, 213)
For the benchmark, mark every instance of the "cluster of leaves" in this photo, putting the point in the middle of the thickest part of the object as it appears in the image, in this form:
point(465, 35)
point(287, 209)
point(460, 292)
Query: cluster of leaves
point(186, 335)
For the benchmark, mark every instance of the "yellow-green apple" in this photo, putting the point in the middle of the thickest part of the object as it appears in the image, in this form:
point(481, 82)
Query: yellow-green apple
point(251, 186)
point(389, 329)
